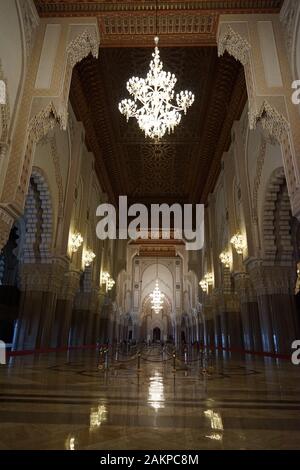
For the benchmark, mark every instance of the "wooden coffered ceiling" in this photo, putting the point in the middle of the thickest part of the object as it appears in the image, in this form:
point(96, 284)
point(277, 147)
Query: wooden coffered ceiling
point(132, 22)
point(184, 166)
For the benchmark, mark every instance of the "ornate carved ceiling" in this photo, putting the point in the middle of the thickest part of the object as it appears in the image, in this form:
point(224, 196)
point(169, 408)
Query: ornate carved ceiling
point(182, 167)
point(132, 22)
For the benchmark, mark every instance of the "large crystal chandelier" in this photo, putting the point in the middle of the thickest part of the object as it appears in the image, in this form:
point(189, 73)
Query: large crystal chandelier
point(157, 114)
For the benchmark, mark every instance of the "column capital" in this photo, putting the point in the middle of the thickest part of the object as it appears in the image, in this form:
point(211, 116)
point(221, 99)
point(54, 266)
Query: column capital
point(272, 279)
point(43, 277)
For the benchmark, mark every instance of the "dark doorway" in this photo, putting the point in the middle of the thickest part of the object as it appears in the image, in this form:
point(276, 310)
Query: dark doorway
point(156, 334)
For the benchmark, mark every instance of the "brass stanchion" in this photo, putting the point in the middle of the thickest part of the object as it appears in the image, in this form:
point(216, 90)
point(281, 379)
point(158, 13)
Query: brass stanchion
point(174, 361)
point(106, 358)
point(139, 362)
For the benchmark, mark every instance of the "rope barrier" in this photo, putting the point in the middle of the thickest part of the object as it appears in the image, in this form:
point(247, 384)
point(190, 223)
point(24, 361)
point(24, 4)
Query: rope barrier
point(203, 351)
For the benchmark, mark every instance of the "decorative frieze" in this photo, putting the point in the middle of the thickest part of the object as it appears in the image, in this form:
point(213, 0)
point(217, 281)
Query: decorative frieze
point(30, 21)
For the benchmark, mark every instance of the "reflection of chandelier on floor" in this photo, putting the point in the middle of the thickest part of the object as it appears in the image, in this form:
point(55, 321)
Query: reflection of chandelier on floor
point(155, 93)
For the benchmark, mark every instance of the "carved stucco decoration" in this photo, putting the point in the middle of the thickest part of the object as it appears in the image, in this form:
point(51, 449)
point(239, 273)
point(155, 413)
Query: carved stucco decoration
point(86, 43)
point(278, 128)
point(30, 23)
point(271, 120)
point(288, 16)
point(39, 220)
point(6, 222)
point(276, 224)
point(45, 120)
point(50, 140)
point(259, 168)
point(43, 277)
point(235, 45)
point(240, 49)
point(269, 280)
point(83, 45)
point(4, 116)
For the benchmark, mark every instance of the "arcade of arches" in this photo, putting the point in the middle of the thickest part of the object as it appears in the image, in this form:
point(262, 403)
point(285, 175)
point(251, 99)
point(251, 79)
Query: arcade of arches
point(65, 149)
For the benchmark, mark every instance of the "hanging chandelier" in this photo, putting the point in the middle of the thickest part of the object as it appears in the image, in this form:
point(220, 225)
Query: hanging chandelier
point(88, 257)
point(156, 114)
point(157, 299)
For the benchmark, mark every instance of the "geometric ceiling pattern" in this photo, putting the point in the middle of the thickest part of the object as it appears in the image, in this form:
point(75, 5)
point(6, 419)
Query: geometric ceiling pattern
point(184, 166)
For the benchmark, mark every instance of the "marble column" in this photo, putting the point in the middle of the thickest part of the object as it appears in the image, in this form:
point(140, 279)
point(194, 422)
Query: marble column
point(274, 286)
point(249, 312)
point(227, 314)
point(40, 284)
point(64, 308)
point(83, 317)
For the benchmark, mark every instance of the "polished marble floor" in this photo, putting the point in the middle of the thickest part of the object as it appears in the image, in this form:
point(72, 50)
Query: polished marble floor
point(73, 402)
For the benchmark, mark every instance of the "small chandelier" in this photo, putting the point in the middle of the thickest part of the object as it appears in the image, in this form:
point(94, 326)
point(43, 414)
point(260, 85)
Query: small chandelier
point(157, 298)
point(238, 242)
point(225, 258)
point(204, 285)
point(110, 283)
point(76, 242)
point(104, 277)
point(107, 280)
point(209, 278)
point(88, 258)
point(157, 114)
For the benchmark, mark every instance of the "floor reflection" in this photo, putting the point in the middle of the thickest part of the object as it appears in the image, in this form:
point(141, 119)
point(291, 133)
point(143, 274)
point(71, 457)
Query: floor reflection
point(97, 417)
point(156, 397)
point(60, 402)
point(71, 443)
